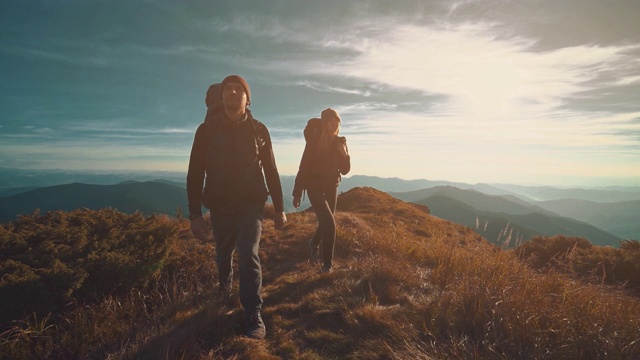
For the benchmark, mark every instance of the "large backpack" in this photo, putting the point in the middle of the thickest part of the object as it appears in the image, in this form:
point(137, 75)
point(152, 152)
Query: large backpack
point(213, 100)
point(214, 96)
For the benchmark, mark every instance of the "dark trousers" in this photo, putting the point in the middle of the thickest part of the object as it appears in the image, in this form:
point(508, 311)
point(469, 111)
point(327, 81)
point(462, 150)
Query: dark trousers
point(240, 228)
point(324, 205)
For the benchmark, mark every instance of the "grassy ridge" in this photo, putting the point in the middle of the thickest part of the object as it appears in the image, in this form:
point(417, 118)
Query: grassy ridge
point(406, 285)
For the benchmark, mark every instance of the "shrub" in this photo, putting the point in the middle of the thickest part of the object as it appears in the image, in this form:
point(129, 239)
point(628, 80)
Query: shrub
point(47, 261)
point(544, 252)
point(595, 264)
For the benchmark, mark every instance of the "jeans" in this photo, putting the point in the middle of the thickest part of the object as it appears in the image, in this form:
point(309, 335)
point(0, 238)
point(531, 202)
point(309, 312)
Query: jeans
point(240, 228)
point(324, 205)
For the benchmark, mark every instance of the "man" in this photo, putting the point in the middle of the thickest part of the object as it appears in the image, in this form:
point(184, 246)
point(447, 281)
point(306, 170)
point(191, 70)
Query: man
point(232, 150)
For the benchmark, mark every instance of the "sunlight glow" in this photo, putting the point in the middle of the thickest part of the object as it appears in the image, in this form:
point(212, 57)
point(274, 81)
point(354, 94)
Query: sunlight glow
point(482, 75)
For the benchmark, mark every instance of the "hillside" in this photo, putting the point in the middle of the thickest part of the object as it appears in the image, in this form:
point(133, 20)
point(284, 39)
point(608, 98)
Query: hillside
point(16, 190)
point(507, 204)
point(407, 285)
point(392, 184)
point(148, 197)
point(16, 178)
point(496, 228)
point(620, 218)
point(503, 220)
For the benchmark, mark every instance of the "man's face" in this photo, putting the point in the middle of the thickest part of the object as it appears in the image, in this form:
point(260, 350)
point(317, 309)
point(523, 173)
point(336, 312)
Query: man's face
point(234, 97)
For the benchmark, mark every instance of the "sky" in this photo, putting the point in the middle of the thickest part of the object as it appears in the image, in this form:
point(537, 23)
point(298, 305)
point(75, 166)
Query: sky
point(542, 92)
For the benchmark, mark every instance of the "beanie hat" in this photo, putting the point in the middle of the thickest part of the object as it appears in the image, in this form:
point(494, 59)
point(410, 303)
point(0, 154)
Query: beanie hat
point(240, 80)
point(329, 113)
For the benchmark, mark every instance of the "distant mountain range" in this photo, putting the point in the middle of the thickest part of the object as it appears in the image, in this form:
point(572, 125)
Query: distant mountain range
point(503, 219)
point(621, 218)
point(541, 193)
point(147, 197)
point(17, 179)
point(501, 213)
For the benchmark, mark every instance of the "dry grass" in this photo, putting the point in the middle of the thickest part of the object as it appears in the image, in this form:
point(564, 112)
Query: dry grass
point(406, 285)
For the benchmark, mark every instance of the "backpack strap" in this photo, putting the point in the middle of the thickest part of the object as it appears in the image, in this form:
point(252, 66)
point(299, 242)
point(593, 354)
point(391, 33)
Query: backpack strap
point(257, 133)
point(212, 122)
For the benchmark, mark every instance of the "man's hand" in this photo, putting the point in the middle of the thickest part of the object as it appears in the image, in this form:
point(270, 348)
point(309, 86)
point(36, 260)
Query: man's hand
point(200, 228)
point(296, 202)
point(279, 220)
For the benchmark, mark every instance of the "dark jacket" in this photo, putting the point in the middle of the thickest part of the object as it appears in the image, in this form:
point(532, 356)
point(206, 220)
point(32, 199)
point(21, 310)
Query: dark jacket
point(320, 170)
point(229, 160)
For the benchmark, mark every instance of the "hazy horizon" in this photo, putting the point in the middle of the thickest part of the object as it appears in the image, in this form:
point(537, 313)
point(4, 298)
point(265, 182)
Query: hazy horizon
point(180, 174)
point(494, 91)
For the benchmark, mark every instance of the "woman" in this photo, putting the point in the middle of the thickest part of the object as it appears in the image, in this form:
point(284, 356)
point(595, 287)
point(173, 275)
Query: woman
point(324, 159)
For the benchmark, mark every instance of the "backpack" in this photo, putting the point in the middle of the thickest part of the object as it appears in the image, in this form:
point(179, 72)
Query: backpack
point(214, 96)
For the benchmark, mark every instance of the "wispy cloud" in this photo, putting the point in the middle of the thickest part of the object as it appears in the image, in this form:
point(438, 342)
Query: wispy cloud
point(116, 127)
point(500, 99)
point(328, 88)
point(628, 80)
point(480, 72)
point(68, 56)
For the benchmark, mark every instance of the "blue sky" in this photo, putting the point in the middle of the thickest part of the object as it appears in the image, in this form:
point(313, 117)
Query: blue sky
point(526, 92)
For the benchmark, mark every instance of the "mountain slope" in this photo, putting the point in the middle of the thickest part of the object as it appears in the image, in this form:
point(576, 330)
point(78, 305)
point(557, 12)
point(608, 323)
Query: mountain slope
point(16, 190)
point(619, 218)
point(504, 219)
point(498, 229)
point(507, 204)
point(148, 197)
point(406, 285)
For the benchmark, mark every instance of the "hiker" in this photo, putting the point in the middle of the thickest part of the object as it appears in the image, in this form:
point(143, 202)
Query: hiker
point(324, 159)
point(230, 152)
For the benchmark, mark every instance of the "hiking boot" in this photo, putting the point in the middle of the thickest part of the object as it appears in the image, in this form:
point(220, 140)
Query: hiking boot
point(325, 269)
point(255, 326)
point(315, 250)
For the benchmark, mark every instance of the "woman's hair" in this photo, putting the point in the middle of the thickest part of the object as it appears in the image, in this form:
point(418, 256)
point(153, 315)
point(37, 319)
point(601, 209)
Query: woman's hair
point(325, 139)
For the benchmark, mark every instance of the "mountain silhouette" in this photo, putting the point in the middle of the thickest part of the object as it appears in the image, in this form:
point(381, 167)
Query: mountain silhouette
point(148, 197)
point(503, 219)
point(499, 207)
point(621, 218)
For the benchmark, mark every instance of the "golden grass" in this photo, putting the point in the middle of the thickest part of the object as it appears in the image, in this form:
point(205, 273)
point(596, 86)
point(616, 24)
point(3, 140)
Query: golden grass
point(405, 285)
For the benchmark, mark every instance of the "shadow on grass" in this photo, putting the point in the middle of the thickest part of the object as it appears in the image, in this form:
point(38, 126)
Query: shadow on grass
point(205, 329)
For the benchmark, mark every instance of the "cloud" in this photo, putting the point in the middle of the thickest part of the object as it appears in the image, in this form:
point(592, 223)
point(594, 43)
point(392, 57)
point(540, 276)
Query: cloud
point(475, 68)
point(495, 89)
point(477, 93)
point(163, 131)
point(481, 72)
point(327, 88)
point(67, 56)
point(628, 80)
point(428, 89)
